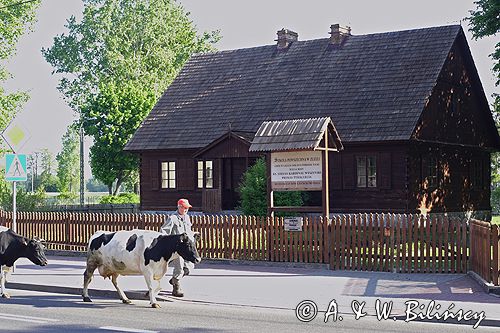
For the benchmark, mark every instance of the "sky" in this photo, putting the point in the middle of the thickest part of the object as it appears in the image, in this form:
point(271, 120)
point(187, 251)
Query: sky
point(242, 24)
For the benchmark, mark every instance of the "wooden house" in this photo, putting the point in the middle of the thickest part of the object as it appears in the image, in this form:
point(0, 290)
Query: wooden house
point(408, 106)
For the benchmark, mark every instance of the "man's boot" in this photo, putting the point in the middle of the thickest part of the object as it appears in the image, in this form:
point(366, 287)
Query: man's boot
point(176, 291)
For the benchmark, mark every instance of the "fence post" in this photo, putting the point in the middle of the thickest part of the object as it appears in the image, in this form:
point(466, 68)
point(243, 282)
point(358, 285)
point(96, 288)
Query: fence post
point(495, 263)
point(67, 236)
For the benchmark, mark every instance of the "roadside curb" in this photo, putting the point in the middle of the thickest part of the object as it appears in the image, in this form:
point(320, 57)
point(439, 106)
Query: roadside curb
point(216, 261)
point(487, 287)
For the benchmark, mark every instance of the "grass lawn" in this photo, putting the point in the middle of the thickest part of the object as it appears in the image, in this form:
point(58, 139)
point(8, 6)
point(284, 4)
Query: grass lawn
point(495, 219)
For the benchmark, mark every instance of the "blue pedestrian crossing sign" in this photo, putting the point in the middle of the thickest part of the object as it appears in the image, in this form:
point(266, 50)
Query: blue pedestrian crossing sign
point(15, 167)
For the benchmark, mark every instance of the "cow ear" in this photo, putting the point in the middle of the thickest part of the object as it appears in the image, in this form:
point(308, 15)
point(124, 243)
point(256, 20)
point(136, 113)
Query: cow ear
point(184, 237)
point(197, 236)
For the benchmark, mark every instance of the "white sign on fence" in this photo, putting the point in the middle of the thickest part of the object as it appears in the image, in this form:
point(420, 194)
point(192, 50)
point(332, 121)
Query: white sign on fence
point(296, 171)
point(293, 223)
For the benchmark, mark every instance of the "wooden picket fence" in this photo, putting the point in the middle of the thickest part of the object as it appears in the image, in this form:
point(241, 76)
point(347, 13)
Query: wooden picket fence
point(71, 231)
point(484, 250)
point(362, 242)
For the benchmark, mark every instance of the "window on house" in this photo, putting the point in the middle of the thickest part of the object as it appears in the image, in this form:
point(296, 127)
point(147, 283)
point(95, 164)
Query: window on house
point(432, 171)
point(209, 174)
point(366, 171)
point(205, 174)
point(168, 174)
point(476, 174)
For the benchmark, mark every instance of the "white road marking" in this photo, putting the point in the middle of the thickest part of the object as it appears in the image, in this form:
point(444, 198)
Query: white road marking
point(125, 329)
point(28, 319)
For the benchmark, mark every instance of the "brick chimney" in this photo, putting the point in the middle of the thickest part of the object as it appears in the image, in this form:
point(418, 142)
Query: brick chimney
point(339, 34)
point(286, 38)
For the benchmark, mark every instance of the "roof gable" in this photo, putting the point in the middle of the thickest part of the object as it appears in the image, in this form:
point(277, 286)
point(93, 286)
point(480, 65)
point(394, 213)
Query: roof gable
point(457, 112)
point(374, 88)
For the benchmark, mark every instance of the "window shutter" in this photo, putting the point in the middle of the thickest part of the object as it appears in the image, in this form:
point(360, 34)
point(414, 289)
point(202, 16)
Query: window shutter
point(348, 171)
point(384, 169)
point(154, 174)
point(336, 171)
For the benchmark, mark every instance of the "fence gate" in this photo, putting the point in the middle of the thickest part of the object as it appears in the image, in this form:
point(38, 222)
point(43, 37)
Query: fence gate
point(484, 248)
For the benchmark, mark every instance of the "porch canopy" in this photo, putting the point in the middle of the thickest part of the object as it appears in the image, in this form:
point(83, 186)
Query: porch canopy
point(296, 134)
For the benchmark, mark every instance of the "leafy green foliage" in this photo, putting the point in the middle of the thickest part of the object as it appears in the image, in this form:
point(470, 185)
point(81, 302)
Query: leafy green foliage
point(485, 21)
point(115, 64)
point(47, 181)
point(111, 119)
point(15, 19)
point(253, 192)
point(122, 198)
point(66, 198)
point(68, 161)
point(25, 201)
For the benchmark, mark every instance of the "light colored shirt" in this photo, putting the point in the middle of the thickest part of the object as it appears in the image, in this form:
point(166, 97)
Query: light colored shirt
point(177, 224)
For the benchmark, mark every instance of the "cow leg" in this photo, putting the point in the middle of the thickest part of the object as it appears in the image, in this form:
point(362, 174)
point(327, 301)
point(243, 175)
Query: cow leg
point(87, 277)
point(152, 297)
point(122, 295)
point(3, 278)
point(158, 288)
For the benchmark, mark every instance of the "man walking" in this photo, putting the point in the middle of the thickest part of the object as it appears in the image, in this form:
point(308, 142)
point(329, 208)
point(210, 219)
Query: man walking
point(179, 223)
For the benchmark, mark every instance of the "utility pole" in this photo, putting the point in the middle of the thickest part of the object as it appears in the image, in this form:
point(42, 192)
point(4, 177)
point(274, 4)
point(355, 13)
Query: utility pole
point(82, 178)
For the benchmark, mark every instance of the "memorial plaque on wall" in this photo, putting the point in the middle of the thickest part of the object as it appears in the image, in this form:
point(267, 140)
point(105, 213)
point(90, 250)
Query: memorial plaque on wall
point(296, 171)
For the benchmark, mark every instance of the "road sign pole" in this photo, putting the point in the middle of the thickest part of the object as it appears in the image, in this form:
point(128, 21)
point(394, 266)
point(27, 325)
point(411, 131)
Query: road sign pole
point(14, 224)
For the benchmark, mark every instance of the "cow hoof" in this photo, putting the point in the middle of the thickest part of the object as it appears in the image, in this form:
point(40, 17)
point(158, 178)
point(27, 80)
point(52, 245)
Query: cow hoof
point(126, 301)
point(155, 305)
point(5, 296)
point(87, 299)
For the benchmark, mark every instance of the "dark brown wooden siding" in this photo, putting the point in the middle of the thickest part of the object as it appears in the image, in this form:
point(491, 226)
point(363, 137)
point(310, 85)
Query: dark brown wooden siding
point(455, 112)
point(457, 188)
point(155, 198)
point(390, 193)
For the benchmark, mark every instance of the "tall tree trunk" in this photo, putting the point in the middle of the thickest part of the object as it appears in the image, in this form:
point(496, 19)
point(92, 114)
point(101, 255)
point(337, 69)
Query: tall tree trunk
point(119, 182)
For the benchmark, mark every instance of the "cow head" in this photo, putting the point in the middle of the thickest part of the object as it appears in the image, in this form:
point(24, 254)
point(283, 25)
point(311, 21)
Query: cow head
point(186, 248)
point(35, 251)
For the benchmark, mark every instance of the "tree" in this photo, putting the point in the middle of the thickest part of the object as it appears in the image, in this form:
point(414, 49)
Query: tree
point(16, 18)
point(115, 64)
point(68, 161)
point(253, 191)
point(485, 22)
point(47, 181)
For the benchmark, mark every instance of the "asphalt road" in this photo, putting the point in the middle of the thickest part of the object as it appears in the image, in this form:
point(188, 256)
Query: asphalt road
point(29, 311)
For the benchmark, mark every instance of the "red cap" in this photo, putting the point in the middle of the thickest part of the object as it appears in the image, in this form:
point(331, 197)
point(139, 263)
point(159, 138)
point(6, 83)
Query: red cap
point(184, 203)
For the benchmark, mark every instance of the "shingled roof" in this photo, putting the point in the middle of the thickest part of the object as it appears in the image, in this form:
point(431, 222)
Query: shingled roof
point(374, 88)
point(294, 134)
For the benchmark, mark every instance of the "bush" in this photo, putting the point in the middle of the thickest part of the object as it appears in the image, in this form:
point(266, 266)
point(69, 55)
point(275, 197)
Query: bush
point(253, 192)
point(25, 201)
point(68, 198)
point(495, 200)
point(122, 198)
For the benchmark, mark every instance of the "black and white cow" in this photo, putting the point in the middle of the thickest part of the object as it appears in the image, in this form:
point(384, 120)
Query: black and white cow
point(135, 252)
point(13, 247)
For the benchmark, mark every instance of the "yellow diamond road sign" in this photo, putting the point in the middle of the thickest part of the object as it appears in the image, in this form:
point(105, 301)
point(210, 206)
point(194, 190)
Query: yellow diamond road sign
point(16, 136)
